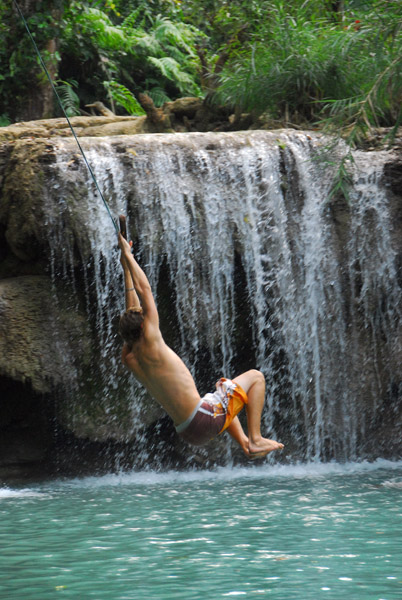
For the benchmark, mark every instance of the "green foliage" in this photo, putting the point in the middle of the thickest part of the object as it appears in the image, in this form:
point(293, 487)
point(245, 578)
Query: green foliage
point(379, 98)
point(156, 93)
point(122, 96)
point(141, 49)
point(342, 179)
point(21, 76)
point(4, 120)
point(170, 69)
point(69, 99)
point(305, 63)
point(94, 25)
point(133, 44)
point(337, 64)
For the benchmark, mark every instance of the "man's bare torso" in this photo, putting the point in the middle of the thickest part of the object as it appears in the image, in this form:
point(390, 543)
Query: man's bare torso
point(164, 375)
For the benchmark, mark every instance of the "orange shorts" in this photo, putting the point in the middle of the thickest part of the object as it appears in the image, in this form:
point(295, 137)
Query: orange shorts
point(214, 413)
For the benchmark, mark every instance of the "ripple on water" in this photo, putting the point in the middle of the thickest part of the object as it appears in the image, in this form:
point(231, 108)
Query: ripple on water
point(247, 532)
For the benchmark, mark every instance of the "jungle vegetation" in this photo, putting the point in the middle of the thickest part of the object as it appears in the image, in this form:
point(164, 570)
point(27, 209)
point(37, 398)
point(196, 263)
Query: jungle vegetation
point(312, 63)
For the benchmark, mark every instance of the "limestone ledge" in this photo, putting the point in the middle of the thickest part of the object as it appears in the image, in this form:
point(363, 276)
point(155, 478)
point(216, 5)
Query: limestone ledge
point(35, 333)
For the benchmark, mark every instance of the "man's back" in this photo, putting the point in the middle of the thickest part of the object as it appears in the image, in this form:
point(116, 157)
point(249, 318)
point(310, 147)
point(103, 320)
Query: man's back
point(163, 374)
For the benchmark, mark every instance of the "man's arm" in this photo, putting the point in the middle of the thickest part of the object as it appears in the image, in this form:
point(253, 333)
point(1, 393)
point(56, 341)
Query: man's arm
point(142, 288)
point(131, 296)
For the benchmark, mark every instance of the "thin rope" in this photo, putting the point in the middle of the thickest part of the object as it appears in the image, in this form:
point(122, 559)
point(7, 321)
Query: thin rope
point(66, 116)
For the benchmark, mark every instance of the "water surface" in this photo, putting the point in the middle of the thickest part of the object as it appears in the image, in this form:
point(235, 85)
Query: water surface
point(299, 532)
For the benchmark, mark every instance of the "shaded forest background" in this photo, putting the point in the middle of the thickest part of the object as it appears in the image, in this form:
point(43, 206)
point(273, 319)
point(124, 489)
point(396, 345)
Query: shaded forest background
point(318, 63)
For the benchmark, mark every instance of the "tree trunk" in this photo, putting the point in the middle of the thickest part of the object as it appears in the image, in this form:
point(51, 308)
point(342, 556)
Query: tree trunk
point(38, 99)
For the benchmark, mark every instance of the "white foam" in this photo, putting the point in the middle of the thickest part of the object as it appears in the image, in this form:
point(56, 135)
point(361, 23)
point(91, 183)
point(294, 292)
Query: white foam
point(23, 493)
point(299, 471)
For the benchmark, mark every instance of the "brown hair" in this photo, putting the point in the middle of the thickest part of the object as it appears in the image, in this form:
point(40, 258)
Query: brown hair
point(130, 326)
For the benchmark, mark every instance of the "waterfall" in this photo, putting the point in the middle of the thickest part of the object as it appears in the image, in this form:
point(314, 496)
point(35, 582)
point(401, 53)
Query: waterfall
point(251, 266)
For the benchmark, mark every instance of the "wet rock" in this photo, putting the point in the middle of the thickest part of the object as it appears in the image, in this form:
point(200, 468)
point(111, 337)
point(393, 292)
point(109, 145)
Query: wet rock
point(40, 339)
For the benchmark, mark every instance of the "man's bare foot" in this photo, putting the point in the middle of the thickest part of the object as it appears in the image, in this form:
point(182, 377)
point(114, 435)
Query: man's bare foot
point(257, 455)
point(244, 447)
point(262, 447)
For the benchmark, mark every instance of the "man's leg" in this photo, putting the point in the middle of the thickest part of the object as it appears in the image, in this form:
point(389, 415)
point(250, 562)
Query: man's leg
point(237, 432)
point(253, 383)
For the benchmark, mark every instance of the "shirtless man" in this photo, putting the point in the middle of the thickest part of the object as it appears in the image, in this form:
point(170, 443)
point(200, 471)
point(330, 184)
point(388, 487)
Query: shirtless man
point(197, 420)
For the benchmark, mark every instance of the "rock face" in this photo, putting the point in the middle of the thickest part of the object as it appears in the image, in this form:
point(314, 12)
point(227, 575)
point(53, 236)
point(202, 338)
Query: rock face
point(40, 340)
point(227, 226)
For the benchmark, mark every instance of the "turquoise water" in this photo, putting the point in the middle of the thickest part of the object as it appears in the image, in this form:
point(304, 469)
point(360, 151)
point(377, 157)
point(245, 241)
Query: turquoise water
point(298, 532)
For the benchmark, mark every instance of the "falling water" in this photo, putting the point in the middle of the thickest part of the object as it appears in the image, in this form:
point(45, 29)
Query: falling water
point(251, 267)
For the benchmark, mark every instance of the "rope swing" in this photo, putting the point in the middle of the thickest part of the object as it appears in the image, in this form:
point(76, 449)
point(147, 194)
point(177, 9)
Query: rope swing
point(66, 116)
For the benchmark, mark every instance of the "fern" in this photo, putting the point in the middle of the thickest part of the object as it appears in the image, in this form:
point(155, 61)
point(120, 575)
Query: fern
point(158, 95)
point(175, 34)
point(108, 35)
point(171, 69)
point(131, 21)
point(123, 97)
point(141, 17)
point(142, 47)
point(145, 42)
point(69, 99)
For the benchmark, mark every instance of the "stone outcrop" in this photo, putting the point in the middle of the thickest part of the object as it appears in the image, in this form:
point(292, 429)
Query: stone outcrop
point(43, 340)
point(178, 116)
point(184, 114)
point(40, 339)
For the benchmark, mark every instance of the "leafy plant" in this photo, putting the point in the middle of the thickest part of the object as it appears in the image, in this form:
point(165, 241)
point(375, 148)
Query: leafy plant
point(4, 120)
point(171, 70)
point(131, 54)
point(333, 64)
point(307, 64)
point(155, 92)
point(69, 99)
point(373, 107)
point(122, 96)
point(21, 76)
point(342, 179)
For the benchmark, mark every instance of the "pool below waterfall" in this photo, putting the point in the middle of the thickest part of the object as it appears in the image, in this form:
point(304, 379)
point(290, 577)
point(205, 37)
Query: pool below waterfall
point(301, 532)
